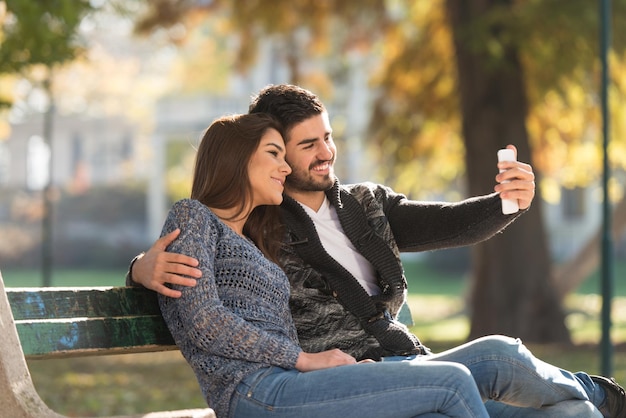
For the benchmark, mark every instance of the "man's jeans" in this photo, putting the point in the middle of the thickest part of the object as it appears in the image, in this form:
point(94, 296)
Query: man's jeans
point(510, 379)
point(380, 390)
point(523, 386)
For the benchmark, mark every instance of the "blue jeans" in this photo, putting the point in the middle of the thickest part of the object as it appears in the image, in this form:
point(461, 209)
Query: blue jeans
point(430, 389)
point(516, 384)
point(513, 382)
point(563, 409)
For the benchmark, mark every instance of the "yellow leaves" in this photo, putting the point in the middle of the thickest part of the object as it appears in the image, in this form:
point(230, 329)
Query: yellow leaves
point(616, 190)
point(426, 162)
point(420, 136)
point(7, 87)
point(618, 71)
point(617, 96)
point(582, 164)
point(550, 190)
point(5, 130)
point(617, 154)
point(565, 129)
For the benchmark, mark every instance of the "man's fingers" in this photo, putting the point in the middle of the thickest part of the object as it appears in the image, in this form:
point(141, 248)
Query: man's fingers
point(166, 240)
point(181, 270)
point(522, 191)
point(175, 258)
point(174, 263)
point(158, 268)
point(166, 291)
point(515, 171)
point(180, 280)
point(508, 189)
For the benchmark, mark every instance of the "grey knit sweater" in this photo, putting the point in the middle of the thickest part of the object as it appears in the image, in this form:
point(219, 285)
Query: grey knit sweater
point(236, 320)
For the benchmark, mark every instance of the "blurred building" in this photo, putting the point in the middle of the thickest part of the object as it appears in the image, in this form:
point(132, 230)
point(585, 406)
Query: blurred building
point(83, 151)
point(571, 222)
point(89, 151)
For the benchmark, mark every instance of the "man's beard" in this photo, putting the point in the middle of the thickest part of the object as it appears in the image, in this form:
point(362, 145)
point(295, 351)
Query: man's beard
point(303, 181)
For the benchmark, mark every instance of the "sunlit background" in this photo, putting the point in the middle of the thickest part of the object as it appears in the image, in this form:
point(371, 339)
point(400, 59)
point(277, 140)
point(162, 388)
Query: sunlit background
point(104, 102)
point(96, 145)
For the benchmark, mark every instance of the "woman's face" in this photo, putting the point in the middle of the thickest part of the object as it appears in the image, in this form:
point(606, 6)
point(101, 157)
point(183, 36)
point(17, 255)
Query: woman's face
point(268, 169)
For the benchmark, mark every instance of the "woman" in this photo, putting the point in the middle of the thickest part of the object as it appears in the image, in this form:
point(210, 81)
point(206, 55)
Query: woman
point(235, 328)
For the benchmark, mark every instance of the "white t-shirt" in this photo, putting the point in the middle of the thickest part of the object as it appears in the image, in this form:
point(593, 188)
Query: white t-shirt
point(338, 245)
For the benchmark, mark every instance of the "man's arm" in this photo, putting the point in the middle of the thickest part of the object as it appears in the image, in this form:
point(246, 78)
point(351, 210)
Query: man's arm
point(425, 226)
point(157, 267)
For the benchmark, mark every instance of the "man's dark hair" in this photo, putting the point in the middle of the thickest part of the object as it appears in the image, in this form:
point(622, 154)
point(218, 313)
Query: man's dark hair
point(288, 103)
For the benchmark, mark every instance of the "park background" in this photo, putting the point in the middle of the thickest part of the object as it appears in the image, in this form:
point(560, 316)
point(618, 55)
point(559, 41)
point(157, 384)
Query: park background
point(106, 100)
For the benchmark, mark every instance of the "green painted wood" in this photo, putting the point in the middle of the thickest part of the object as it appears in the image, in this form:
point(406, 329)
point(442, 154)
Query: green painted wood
point(65, 322)
point(78, 337)
point(46, 303)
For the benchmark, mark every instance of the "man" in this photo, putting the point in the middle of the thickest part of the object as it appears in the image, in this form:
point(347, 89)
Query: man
point(342, 255)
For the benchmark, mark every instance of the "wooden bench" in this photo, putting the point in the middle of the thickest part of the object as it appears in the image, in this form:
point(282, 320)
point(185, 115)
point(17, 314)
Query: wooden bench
point(74, 322)
point(57, 322)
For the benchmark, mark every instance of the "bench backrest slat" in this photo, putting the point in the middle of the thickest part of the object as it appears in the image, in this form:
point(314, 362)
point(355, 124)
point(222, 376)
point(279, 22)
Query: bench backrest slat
point(76, 302)
point(62, 322)
point(44, 338)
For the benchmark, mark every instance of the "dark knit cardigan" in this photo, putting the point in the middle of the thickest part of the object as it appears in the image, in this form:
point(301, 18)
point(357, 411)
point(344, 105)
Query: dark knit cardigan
point(380, 224)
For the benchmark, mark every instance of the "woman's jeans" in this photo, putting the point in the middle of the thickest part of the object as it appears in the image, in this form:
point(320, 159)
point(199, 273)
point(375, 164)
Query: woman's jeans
point(379, 390)
point(509, 378)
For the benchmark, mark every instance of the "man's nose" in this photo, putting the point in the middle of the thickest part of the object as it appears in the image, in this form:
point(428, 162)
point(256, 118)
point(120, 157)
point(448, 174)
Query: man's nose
point(325, 152)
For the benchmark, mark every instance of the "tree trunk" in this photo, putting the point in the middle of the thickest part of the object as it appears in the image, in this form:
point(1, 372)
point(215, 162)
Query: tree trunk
point(512, 290)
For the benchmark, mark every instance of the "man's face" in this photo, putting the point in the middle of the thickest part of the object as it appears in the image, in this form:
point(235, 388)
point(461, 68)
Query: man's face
point(311, 154)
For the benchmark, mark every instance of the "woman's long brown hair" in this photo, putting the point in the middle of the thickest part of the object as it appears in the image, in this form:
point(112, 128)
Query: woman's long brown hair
point(221, 180)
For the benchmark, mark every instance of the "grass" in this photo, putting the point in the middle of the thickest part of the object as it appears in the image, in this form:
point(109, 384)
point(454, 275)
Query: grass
point(65, 277)
point(138, 383)
point(117, 385)
point(438, 297)
point(442, 322)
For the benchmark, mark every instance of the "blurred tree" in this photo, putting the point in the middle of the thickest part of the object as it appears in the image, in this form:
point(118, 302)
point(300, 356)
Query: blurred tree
point(511, 291)
point(37, 36)
point(457, 81)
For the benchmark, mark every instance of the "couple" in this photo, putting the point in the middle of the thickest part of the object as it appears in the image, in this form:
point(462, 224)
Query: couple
point(340, 250)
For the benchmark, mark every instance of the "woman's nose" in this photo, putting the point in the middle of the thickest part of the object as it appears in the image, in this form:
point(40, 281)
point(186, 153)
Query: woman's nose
point(286, 168)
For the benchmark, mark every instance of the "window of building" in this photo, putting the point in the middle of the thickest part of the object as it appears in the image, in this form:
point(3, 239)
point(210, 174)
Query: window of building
point(5, 164)
point(573, 203)
point(37, 163)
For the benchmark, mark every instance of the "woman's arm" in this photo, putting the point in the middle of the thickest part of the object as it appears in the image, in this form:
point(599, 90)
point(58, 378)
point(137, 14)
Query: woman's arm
point(206, 321)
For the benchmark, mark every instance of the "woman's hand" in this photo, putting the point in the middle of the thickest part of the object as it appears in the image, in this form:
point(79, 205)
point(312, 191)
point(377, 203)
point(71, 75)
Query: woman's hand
point(326, 359)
